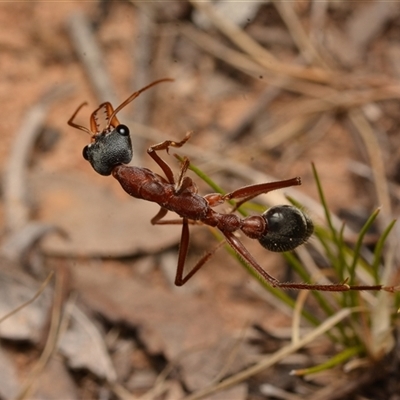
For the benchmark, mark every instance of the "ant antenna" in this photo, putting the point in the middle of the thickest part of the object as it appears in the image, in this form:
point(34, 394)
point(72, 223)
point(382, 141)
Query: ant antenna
point(133, 97)
point(74, 125)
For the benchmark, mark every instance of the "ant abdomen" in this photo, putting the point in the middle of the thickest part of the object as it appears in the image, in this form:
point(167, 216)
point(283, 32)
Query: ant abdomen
point(287, 228)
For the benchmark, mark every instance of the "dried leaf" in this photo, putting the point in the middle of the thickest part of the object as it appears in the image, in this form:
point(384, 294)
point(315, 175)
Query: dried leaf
point(16, 288)
point(46, 389)
point(84, 347)
point(9, 383)
point(188, 330)
point(98, 222)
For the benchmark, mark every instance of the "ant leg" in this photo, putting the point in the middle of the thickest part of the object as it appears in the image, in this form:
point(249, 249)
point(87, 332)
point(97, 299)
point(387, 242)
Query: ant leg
point(159, 216)
point(183, 250)
point(242, 252)
point(236, 245)
point(165, 146)
point(157, 219)
point(184, 246)
point(180, 280)
point(246, 193)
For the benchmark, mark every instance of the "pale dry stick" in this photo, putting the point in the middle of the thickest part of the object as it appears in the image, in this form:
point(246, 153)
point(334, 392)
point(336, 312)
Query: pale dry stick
point(143, 52)
point(365, 171)
point(317, 274)
point(51, 343)
point(277, 356)
point(16, 200)
point(245, 64)
point(304, 44)
point(356, 116)
point(232, 355)
point(222, 52)
point(256, 51)
point(30, 301)
point(298, 34)
point(318, 18)
point(304, 111)
point(344, 101)
point(93, 60)
point(266, 97)
point(91, 56)
point(297, 315)
point(376, 158)
point(234, 32)
point(17, 244)
point(320, 127)
point(381, 323)
point(160, 384)
point(385, 90)
point(284, 132)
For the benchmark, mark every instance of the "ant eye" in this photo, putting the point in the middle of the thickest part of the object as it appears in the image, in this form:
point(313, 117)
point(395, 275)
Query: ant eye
point(85, 153)
point(287, 228)
point(123, 130)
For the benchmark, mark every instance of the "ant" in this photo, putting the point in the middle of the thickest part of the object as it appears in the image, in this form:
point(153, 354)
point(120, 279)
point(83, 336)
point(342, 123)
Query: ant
point(280, 228)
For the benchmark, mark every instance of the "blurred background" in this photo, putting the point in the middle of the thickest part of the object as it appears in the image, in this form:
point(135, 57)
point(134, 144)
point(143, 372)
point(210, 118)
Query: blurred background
point(267, 88)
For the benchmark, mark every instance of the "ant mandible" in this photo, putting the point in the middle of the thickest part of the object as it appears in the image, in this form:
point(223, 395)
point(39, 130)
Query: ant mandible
point(280, 228)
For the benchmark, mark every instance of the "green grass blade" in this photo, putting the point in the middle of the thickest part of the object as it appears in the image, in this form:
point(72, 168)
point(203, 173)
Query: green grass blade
point(378, 252)
point(359, 243)
point(334, 361)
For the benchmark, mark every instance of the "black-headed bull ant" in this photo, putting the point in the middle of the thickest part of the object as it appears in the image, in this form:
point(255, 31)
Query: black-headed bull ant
point(280, 228)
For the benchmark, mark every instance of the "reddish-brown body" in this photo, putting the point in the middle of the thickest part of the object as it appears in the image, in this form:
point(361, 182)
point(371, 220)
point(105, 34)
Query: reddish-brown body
point(143, 183)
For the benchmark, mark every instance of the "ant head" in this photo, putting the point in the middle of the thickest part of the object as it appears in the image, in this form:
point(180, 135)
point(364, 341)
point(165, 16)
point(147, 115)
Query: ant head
point(109, 149)
point(287, 228)
point(111, 146)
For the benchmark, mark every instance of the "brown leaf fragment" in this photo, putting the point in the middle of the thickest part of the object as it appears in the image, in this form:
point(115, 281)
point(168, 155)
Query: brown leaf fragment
point(16, 288)
point(84, 346)
point(188, 330)
point(55, 382)
point(17, 245)
point(98, 222)
point(168, 323)
point(200, 368)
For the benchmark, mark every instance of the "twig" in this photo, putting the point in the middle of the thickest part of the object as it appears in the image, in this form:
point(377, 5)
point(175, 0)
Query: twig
point(143, 56)
point(52, 339)
point(276, 357)
point(16, 202)
point(299, 35)
point(89, 53)
point(92, 58)
point(266, 97)
point(30, 301)
point(17, 244)
point(256, 51)
point(375, 157)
